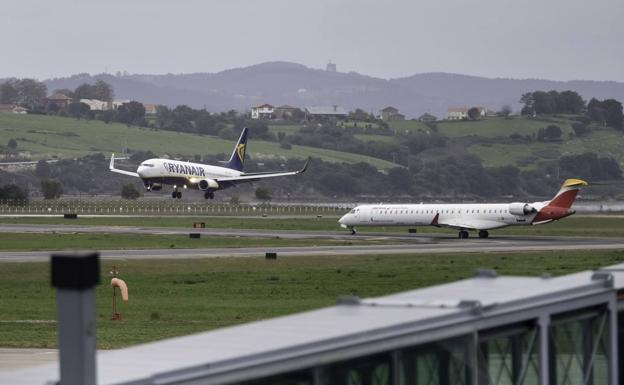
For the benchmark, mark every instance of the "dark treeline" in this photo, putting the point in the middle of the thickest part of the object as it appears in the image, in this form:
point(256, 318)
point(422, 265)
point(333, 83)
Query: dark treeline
point(607, 112)
point(458, 176)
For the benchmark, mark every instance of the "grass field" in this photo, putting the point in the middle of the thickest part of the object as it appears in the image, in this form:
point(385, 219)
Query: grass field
point(44, 137)
point(578, 225)
point(107, 241)
point(170, 298)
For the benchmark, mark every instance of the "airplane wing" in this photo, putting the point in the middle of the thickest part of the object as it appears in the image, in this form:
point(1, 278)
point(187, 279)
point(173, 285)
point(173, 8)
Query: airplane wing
point(118, 171)
point(471, 224)
point(252, 177)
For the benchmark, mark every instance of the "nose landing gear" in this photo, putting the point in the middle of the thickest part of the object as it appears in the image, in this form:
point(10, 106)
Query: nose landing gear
point(353, 231)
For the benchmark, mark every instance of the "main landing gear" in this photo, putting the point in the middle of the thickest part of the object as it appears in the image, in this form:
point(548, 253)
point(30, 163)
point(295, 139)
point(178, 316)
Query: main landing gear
point(483, 234)
point(209, 195)
point(176, 194)
point(463, 234)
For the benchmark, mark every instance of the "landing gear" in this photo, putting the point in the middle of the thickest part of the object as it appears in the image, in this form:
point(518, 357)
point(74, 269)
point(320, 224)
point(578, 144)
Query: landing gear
point(176, 194)
point(209, 195)
point(353, 232)
point(483, 234)
point(463, 234)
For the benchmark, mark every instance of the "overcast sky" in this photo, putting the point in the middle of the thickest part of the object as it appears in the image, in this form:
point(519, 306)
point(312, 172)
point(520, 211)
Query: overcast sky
point(549, 39)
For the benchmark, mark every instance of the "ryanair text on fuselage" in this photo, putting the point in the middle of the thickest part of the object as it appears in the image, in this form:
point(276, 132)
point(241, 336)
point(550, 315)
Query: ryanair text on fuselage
point(184, 169)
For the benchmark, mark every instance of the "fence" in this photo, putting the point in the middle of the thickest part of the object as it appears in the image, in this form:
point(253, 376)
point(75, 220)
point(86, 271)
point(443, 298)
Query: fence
point(151, 207)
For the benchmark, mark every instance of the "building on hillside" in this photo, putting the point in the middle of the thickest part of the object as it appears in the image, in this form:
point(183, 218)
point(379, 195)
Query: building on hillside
point(262, 111)
point(95, 104)
point(8, 108)
point(325, 112)
point(59, 100)
point(457, 113)
point(391, 114)
point(284, 112)
point(115, 104)
point(427, 118)
point(150, 109)
point(331, 67)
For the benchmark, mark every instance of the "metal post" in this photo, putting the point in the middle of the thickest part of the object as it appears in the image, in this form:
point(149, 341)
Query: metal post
point(75, 278)
point(613, 355)
point(543, 325)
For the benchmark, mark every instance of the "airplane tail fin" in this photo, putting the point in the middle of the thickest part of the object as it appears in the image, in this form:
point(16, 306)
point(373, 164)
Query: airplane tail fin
point(567, 194)
point(237, 160)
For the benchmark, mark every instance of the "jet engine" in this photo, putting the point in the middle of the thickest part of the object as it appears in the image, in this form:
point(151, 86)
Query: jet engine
point(518, 208)
point(153, 186)
point(208, 184)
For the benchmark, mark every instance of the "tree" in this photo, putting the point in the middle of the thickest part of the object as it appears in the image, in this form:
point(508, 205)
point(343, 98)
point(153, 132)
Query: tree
point(84, 91)
point(607, 112)
point(129, 191)
point(474, 113)
point(42, 170)
point(51, 189)
point(505, 111)
point(8, 93)
point(550, 133)
point(131, 113)
point(32, 93)
point(581, 129)
point(263, 193)
point(102, 91)
point(13, 194)
point(11, 147)
point(79, 110)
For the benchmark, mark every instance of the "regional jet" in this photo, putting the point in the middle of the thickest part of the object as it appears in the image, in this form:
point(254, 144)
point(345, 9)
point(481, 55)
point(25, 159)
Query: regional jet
point(479, 217)
point(158, 172)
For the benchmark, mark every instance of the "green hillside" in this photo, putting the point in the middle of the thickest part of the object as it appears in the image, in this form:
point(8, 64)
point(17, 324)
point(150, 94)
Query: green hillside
point(44, 137)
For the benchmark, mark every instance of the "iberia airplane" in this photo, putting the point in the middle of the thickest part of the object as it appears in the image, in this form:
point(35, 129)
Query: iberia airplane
point(157, 172)
point(479, 217)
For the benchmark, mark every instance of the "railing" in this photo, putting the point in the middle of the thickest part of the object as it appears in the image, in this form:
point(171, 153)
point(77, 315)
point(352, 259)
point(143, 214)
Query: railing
point(145, 207)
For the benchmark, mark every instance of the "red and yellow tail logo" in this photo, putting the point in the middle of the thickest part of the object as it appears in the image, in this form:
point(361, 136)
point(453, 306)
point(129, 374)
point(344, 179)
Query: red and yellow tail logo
point(567, 194)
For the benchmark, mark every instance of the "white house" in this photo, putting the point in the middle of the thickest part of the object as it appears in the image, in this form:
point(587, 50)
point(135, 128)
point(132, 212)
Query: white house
point(457, 113)
point(95, 105)
point(263, 111)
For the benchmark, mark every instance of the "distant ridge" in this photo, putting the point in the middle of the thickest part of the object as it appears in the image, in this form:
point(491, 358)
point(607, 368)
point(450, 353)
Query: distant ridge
point(295, 84)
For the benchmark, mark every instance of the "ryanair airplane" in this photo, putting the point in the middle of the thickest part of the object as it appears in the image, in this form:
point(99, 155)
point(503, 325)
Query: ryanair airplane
point(479, 217)
point(158, 172)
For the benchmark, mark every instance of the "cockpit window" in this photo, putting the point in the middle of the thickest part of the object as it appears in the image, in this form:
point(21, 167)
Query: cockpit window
point(147, 165)
point(352, 211)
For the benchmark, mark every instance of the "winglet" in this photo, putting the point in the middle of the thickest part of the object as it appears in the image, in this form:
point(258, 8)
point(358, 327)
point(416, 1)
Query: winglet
point(112, 162)
point(305, 166)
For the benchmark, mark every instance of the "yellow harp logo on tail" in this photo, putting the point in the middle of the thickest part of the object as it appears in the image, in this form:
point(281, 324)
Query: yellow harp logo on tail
point(240, 151)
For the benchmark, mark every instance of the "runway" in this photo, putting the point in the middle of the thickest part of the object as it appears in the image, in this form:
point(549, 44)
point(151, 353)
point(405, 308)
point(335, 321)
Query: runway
point(405, 244)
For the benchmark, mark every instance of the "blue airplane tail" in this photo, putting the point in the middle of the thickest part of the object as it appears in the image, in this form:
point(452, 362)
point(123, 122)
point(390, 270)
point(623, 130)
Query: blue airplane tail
point(237, 160)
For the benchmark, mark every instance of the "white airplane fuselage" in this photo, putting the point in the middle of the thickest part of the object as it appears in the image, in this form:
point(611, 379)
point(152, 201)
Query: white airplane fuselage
point(488, 216)
point(174, 172)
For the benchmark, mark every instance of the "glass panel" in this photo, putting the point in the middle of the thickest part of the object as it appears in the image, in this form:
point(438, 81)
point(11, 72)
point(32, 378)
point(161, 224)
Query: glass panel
point(579, 350)
point(294, 378)
point(443, 363)
point(621, 346)
point(509, 358)
point(371, 370)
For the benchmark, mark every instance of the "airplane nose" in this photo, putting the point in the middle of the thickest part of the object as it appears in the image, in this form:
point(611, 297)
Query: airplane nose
point(343, 219)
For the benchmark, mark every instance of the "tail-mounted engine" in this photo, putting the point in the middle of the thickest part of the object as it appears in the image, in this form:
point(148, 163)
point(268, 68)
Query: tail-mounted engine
point(518, 208)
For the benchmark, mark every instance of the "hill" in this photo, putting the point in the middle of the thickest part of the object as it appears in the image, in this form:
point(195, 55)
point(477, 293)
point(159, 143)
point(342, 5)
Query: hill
point(289, 83)
point(44, 137)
